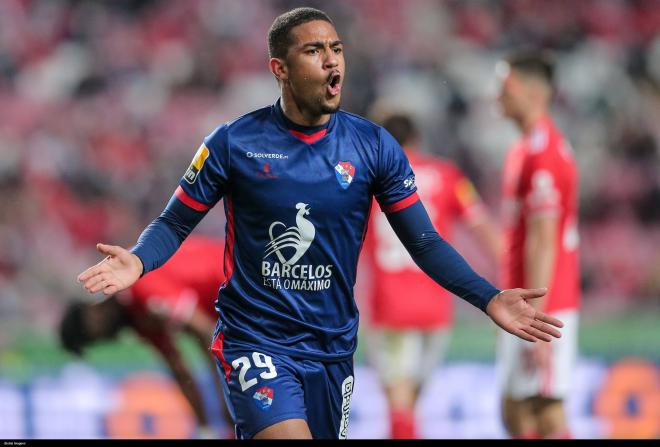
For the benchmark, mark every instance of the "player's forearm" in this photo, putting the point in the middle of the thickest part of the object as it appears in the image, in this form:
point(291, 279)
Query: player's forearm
point(540, 257)
point(162, 238)
point(437, 258)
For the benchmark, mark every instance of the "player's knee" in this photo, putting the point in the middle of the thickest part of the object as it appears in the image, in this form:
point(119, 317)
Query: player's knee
point(402, 394)
point(510, 415)
point(551, 417)
point(518, 418)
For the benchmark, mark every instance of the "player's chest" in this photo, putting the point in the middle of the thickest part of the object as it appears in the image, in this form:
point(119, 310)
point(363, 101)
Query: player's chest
point(330, 176)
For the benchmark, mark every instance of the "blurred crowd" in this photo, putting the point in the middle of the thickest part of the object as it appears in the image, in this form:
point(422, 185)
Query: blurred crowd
point(105, 103)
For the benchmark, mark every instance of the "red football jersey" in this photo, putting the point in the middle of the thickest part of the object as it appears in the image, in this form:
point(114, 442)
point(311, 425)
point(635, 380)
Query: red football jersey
point(540, 177)
point(189, 280)
point(400, 295)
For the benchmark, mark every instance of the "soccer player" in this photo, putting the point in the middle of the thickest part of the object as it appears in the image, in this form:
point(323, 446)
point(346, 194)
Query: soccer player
point(297, 180)
point(177, 297)
point(411, 315)
point(541, 249)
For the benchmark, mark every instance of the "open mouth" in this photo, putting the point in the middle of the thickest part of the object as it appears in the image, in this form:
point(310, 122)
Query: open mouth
point(334, 84)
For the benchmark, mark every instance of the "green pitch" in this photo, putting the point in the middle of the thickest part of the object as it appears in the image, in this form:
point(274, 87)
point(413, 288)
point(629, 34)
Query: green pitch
point(473, 339)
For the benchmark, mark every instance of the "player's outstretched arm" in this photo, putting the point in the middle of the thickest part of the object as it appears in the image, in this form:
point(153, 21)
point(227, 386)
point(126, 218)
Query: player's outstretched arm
point(511, 311)
point(157, 243)
point(118, 271)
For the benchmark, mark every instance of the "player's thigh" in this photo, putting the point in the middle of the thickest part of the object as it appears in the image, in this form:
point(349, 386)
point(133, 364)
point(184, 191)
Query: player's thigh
point(288, 429)
point(395, 354)
point(261, 390)
point(518, 380)
point(407, 355)
point(435, 343)
point(328, 392)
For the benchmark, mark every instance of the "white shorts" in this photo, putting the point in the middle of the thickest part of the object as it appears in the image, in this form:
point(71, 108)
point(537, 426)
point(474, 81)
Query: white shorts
point(518, 381)
point(406, 354)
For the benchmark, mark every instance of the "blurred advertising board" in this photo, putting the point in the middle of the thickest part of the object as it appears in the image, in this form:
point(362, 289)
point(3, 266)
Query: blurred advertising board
point(616, 400)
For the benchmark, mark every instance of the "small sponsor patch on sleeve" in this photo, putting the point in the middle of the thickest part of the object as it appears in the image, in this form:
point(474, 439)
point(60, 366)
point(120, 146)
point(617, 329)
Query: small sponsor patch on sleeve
point(544, 194)
point(409, 182)
point(197, 163)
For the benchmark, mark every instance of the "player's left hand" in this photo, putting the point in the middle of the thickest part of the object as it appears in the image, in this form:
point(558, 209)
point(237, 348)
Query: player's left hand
point(510, 310)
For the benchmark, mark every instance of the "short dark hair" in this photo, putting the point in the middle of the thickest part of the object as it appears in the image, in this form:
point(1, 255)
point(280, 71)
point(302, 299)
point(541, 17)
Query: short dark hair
point(536, 63)
point(73, 335)
point(401, 126)
point(278, 35)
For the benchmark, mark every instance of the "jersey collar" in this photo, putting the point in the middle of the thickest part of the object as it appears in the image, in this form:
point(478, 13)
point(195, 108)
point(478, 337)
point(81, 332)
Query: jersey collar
point(287, 125)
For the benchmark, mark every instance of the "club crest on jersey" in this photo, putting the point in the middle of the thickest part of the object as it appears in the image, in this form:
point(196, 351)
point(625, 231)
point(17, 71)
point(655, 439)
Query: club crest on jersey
point(198, 161)
point(264, 397)
point(345, 171)
point(298, 238)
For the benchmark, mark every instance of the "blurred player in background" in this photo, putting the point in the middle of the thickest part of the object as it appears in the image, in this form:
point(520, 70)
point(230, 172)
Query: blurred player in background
point(541, 249)
point(411, 315)
point(297, 179)
point(177, 297)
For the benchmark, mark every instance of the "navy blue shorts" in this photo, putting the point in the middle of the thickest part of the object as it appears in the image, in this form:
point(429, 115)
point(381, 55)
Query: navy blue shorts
point(263, 388)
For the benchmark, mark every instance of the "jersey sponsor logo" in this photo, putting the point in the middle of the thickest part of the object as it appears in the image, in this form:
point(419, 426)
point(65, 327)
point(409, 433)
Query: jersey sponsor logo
point(346, 394)
point(345, 171)
point(264, 397)
point(409, 182)
point(267, 171)
point(265, 155)
point(289, 244)
point(198, 161)
point(298, 238)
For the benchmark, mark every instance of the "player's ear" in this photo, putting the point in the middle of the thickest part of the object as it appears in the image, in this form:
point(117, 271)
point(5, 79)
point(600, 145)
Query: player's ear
point(279, 69)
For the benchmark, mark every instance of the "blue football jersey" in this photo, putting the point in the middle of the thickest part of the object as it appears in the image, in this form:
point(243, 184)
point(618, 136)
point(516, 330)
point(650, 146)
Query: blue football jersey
point(296, 216)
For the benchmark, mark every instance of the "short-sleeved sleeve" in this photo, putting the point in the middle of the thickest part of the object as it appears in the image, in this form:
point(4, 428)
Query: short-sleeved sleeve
point(395, 181)
point(540, 188)
point(206, 180)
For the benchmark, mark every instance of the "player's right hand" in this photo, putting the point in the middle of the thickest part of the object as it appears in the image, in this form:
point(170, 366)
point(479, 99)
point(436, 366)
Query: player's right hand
point(118, 271)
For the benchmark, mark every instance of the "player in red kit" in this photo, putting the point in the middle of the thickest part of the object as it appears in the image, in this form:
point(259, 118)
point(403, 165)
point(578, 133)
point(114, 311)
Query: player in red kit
point(410, 314)
point(541, 249)
point(177, 297)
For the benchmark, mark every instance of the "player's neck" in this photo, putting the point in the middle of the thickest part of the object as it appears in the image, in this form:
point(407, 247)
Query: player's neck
point(300, 115)
point(528, 121)
point(304, 129)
